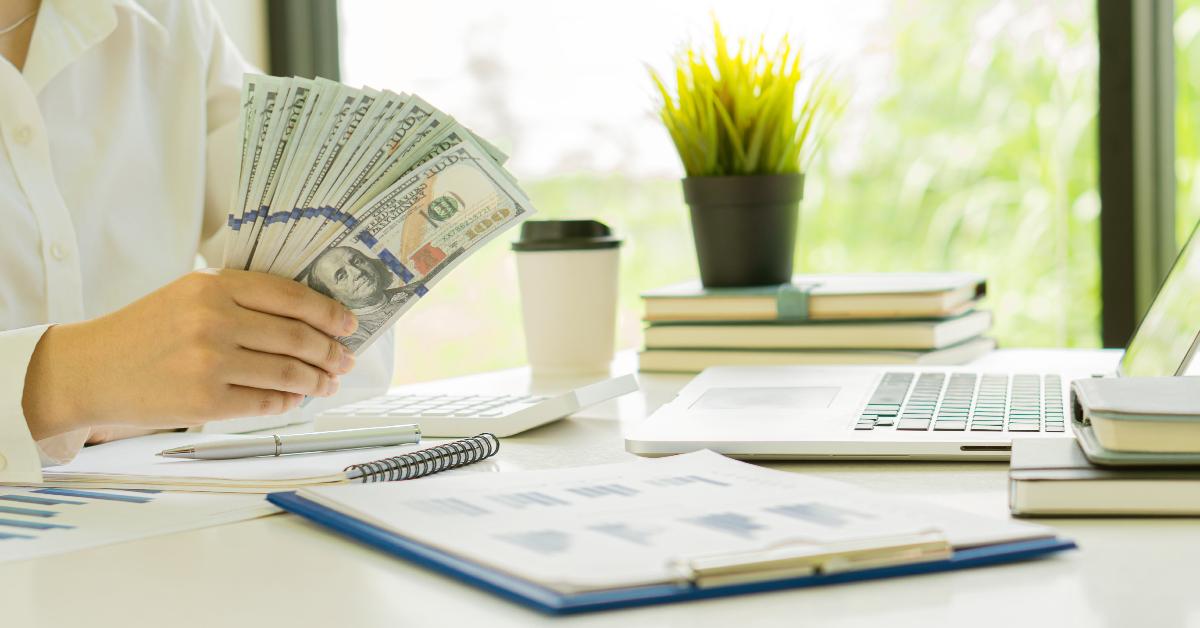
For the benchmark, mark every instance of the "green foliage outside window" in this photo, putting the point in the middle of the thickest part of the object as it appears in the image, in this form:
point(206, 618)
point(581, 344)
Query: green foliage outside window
point(1187, 118)
point(979, 154)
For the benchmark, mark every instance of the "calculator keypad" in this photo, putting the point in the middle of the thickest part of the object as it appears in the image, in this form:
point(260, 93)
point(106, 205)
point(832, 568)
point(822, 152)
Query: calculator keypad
point(462, 406)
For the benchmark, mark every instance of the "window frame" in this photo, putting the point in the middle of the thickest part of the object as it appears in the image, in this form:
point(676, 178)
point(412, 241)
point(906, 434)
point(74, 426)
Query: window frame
point(303, 37)
point(1136, 158)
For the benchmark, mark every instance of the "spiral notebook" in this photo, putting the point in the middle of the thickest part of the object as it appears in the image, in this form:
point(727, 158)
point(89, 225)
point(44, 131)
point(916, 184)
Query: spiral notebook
point(133, 463)
point(669, 529)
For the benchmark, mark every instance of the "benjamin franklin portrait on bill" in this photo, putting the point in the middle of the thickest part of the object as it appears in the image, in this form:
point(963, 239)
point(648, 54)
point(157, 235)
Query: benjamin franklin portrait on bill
point(361, 283)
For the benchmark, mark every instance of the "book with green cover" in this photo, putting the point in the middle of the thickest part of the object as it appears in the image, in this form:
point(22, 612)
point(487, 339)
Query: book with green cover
point(822, 297)
point(696, 360)
point(1146, 416)
point(868, 334)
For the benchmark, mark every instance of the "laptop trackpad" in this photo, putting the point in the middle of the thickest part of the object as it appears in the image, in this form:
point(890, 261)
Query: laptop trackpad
point(772, 398)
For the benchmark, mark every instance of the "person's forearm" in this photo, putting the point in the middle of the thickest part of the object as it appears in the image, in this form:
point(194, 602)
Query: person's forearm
point(51, 395)
point(210, 345)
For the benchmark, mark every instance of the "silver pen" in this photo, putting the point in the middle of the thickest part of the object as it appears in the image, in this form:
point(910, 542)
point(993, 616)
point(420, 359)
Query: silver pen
point(279, 444)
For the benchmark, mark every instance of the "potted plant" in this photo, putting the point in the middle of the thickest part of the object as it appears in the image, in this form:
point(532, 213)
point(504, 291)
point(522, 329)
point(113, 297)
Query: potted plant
point(745, 123)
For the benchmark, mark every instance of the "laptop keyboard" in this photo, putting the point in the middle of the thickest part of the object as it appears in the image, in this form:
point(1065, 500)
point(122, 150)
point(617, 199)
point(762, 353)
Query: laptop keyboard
point(965, 402)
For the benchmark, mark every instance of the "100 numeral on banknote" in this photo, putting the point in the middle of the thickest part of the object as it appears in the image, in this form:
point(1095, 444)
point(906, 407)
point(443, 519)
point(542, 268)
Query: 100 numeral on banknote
point(410, 236)
point(367, 196)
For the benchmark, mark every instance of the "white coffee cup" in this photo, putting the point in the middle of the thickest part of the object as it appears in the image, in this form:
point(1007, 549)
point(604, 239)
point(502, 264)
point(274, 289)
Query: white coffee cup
point(568, 271)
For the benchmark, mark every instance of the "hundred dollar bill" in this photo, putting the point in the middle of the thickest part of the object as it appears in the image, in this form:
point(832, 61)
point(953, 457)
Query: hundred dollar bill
point(359, 134)
point(282, 147)
point(268, 97)
point(340, 221)
point(253, 99)
point(311, 128)
point(339, 217)
point(372, 152)
point(303, 107)
point(494, 151)
point(409, 117)
point(339, 137)
point(239, 195)
point(283, 213)
point(413, 234)
point(317, 150)
point(448, 138)
point(406, 129)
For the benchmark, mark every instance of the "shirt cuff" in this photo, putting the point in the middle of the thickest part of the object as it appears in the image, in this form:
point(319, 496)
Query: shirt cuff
point(62, 448)
point(20, 457)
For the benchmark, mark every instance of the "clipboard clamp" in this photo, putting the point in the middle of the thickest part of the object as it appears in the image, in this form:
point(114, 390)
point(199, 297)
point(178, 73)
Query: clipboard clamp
point(812, 559)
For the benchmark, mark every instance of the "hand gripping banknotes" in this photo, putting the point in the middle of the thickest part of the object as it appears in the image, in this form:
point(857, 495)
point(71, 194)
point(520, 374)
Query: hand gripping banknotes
point(368, 197)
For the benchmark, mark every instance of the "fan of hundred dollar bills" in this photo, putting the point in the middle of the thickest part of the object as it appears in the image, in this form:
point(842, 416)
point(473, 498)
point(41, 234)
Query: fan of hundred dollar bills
point(369, 197)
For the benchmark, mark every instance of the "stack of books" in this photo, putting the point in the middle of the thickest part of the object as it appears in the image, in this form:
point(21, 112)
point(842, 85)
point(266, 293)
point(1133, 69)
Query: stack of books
point(877, 318)
point(1053, 477)
point(1136, 452)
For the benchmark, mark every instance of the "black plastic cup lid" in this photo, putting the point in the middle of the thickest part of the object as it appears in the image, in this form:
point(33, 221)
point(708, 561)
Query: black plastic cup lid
point(565, 235)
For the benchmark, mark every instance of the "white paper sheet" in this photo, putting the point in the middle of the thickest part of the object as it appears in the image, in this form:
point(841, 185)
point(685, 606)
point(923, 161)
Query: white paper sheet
point(133, 462)
point(621, 525)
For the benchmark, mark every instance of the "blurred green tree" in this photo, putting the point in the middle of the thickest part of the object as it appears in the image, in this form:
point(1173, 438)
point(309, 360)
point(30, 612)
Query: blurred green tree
point(974, 148)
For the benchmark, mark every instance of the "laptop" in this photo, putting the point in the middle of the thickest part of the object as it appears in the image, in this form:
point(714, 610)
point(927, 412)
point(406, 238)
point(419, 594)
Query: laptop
point(914, 413)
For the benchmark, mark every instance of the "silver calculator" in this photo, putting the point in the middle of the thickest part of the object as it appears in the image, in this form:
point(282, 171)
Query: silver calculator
point(460, 415)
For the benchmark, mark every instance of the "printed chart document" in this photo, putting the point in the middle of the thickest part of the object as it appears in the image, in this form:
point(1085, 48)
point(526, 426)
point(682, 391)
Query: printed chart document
point(677, 519)
point(44, 521)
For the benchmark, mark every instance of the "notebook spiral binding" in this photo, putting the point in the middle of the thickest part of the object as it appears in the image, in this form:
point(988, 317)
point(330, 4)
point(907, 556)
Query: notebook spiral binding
point(426, 461)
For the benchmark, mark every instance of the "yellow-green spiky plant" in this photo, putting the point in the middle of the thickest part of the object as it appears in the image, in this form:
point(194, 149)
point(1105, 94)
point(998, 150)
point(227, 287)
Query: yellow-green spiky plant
point(739, 113)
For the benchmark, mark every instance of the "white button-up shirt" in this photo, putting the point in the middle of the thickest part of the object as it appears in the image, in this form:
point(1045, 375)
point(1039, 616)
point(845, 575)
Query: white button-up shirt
point(118, 150)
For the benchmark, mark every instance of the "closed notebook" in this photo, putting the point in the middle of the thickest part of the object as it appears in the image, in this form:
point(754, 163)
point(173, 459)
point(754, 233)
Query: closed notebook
point(1052, 477)
point(1141, 414)
point(684, 527)
point(134, 463)
point(908, 334)
point(696, 360)
point(821, 297)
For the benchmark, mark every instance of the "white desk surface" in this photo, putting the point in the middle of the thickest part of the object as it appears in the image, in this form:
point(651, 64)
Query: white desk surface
point(283, 571)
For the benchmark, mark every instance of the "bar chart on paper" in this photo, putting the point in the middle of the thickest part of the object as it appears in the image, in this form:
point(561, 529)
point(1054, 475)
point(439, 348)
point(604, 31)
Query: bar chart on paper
point(43, 521)
point(627, 528)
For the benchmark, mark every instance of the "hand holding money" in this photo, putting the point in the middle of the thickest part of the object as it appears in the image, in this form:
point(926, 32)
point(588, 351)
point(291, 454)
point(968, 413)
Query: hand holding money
point(367, 197)
point(351, 205)
point(210, 345)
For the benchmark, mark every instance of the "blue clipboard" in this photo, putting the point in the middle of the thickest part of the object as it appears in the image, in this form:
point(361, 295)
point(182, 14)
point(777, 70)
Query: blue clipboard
point(555, 603)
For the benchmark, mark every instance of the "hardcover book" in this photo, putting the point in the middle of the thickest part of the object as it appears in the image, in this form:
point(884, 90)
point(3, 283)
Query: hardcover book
point(1052, 477)
point(905, 334)
point(696, 360)
point(822, 297)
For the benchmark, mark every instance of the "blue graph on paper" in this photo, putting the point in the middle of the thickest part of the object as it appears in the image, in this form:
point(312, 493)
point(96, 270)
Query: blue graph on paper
point(35, 516)
point(638, 535)
point(42, 521)
point(821, 514)
point(604, 490)
point(448, 506)
point(733, 523)
point(540, 541)
point(684, 480)
point(528, 499)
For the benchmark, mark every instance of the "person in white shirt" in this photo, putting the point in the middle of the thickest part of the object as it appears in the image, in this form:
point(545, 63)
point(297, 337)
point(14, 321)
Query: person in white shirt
point(118, 150)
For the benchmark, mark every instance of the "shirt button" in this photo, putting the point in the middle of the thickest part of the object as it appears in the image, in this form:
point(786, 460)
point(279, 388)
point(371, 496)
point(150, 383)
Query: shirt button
point(59, 251)
point(23, 134)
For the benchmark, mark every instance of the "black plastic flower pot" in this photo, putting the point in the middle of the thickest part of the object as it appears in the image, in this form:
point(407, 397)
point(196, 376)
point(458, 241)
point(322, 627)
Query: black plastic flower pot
point(744, 227)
